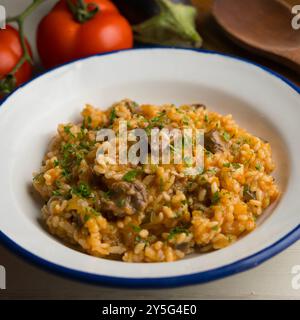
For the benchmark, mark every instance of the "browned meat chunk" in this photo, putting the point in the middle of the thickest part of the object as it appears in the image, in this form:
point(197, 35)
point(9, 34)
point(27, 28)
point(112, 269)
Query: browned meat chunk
point(213, 141)
point(126, 198)
point(198, 106)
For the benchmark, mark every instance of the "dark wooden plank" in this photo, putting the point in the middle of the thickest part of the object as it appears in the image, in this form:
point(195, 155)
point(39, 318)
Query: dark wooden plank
point(215, 39)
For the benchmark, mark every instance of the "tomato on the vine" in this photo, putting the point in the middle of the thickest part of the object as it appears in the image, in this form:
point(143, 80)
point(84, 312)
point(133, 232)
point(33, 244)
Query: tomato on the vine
point(79, 28)
point(10, 54)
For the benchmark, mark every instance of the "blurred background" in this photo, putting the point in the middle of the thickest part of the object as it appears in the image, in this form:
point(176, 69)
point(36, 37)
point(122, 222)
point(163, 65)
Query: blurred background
point(214, 38)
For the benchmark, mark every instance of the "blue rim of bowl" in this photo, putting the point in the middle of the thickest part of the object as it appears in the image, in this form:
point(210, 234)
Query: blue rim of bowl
point(162, 282)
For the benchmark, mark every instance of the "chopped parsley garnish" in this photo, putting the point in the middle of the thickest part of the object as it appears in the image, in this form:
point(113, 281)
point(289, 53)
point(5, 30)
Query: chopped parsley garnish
point(82, 190)
point(135, 228)
point(177, 230)
point(258, 166)
point(157, 121)
point(107, 194)
point(56, 193)
point(208, 153)
point(226, 136)
point(38, 176)
point(206, 118)
point(212, 170)
point(86, 217)
point(161, 184)
point(79, 158)
point(90, 212)
point(185, 120)
point(248, 194)
point(67, 129)
point(215, 228)
point(215, 198)
point(89, 120)
point(121, 203)
point(130, 175)
point(138, 239)
point(55, 163)
point(112, 115)
point(236, 165)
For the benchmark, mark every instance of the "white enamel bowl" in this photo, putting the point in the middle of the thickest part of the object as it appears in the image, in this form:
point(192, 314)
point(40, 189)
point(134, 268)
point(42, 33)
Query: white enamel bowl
point(266, 105)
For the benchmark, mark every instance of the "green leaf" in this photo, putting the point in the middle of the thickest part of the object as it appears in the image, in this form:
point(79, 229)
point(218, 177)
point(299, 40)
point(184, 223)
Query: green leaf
point(174, 25)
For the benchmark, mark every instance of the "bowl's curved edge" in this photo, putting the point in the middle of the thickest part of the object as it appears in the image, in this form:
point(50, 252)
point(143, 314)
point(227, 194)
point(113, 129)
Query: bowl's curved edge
point(163, 282)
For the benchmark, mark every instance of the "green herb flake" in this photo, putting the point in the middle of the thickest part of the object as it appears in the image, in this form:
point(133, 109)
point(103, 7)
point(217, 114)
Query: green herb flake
point(226, 136)
point(55, 163)
point(82, 190)
point(67, 129)
point(107, 194)
point(135, 228)
point(56, 193)
point(86, 218)
point(212, 170)
point(258, 166)
point(208, 153)
point(185, 120)
point(79, 158)
point(236, 165)
point(248, 194)
point(215, 198)
point(215, 228)
point(177, 230)
point(38, 176)
point(112, 115)
point(130, 175)
point(206, 118)
point(138, 239)
point(226, 165)
point(121, 203)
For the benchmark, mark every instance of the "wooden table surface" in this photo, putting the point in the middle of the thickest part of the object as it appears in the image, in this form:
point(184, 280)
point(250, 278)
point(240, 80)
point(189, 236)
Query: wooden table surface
point(215, 39)
point(272, 280)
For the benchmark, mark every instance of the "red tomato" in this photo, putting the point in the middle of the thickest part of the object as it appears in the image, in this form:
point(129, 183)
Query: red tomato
point(61, 38)
point(10, 53)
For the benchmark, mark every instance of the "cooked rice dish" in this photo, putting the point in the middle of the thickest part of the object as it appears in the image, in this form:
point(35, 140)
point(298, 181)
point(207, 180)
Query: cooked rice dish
point(154, 213)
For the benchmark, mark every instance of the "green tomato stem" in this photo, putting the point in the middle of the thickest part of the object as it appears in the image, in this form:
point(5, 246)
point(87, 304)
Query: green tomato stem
point(82, 12)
